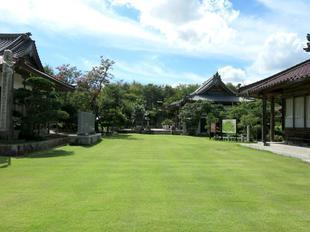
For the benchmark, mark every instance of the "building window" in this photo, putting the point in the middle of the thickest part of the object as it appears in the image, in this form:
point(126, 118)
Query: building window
point(299, 112)
point(308, 111)
point(289, 113)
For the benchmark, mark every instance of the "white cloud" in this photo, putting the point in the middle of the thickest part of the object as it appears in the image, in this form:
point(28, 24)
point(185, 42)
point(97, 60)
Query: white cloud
point(269, 42)
point(179, 26)
point(149, 72)
point(233, 75)
point(192, 27)
point(280, 51)
point(71, 16)
point(189, 24)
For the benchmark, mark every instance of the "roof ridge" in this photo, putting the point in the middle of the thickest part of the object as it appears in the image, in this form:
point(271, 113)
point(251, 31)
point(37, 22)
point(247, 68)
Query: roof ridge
point(289, 69)
point(10, 35)
point(21, 43)
point(17, 37)
point(208, 84)
point(275, 75)
point(45, 74)
point(203, 84)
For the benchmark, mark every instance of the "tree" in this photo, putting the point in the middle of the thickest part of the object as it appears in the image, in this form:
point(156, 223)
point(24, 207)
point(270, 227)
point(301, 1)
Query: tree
point(179, 93)
point(69, 74)
point(73, 102)
point(247, 114)
point(49, 70)
point(232, 87)
point(215, 115)
point(94, 82)
point(138, 115)
point(111, 107)
point(191, 113)
point(41, 104)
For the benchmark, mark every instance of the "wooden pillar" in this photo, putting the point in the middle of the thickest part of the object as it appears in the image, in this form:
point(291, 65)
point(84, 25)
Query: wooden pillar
point(272, 124)
point(305, 111)
point(294, 112)
point(264, 122)
point(283, 114)
point(283, 117)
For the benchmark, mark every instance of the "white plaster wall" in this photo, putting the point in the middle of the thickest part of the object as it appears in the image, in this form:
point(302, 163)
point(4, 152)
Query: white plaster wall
point(18, 81)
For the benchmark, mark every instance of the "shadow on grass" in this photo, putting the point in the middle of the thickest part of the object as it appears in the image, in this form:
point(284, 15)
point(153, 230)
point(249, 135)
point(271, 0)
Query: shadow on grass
point(88, 146)
point(49, 154)
point(121, 136)
point(5, 161)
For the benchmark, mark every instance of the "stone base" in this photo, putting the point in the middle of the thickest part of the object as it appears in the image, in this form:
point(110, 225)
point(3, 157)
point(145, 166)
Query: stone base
point(84, 139)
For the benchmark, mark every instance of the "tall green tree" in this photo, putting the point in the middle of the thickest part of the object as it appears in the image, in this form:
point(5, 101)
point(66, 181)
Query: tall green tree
point(111, 107)
point(247, 114)
point(49, 70)
point(191, 114)
point(69, 74)
point(94, 82)
point(42, 106)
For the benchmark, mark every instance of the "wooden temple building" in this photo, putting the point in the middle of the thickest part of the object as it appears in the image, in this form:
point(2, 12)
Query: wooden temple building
point(291, 88)
point(19, 59)
point(213, 90)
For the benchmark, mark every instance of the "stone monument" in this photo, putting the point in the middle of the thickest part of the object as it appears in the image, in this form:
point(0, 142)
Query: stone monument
point(86, 134)
point(86, 123)
point(6, 104)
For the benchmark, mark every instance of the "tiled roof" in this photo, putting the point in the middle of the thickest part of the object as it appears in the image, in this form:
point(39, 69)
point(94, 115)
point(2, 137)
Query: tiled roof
point(25, 53)
point(205, 93)
point(59, 83)
point(296, 73)
point(22, 46)
point(211, 82)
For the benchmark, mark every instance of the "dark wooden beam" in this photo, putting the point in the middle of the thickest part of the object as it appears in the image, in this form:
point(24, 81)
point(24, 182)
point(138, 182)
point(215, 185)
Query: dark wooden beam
point(272, 124)
point(264, 122)
point(294, 112)
point(305, 111)
point(283, 115)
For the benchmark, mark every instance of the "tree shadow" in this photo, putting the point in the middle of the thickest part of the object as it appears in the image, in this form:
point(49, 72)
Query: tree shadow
point(5, 161)
point(121, 136)
point(88, 146)
point(49, 154)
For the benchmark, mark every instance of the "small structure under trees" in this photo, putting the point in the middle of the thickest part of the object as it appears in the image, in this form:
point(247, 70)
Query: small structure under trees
point(213, 91)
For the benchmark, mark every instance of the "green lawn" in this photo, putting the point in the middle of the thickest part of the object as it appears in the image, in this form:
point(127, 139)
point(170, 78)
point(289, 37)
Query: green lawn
point(155, 183)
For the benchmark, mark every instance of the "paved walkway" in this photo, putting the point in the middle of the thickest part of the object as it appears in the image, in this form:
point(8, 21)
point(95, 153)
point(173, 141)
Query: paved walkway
point(302, 153)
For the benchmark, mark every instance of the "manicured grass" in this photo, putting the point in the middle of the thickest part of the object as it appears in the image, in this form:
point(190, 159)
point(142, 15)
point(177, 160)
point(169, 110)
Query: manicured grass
point(155, 183)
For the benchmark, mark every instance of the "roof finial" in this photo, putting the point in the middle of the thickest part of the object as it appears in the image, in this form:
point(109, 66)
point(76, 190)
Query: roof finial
point(307, 49)
point(217, 75)
point(28, 34)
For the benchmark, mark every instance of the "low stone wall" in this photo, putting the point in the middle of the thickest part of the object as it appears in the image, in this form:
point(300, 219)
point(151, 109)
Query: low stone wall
point(27, 147)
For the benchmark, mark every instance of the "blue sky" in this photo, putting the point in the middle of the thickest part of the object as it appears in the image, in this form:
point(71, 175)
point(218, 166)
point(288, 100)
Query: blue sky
point(166, 41)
